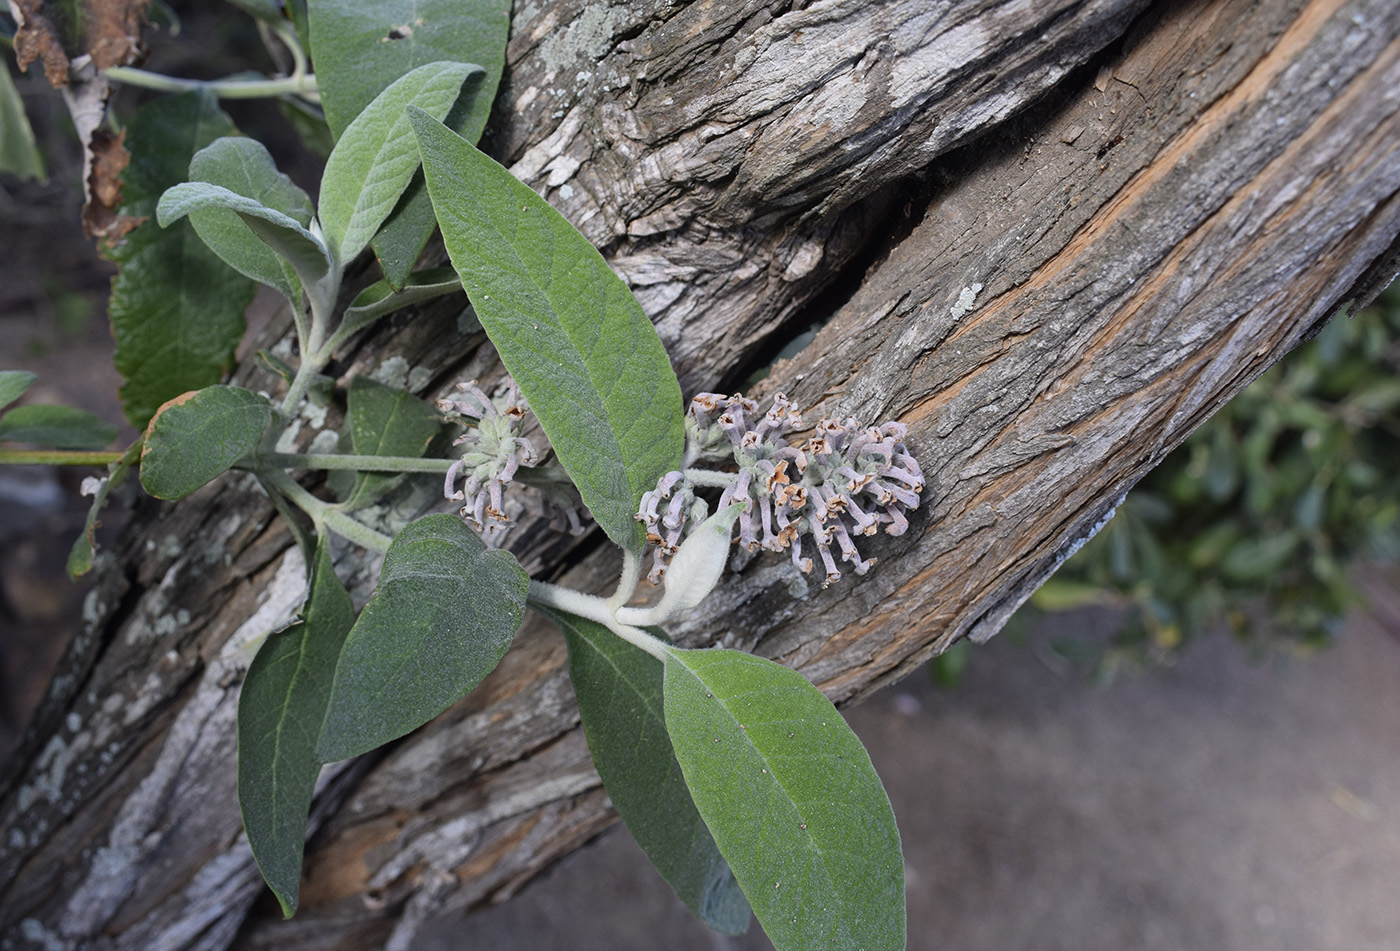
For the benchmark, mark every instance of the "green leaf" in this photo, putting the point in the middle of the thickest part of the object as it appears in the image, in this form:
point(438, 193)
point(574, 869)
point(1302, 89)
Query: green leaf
point(359, 52)
point(375, 158)
point(382, 298)
point(280, 712)
point(56, 427)
point(441, 619)
point(281, 233)
point(176, 308)
point(18, 152)
point(360, 49)
point(400, 242)
point(384, 421)
point(566, 327)
point(14, 383)
point(792, 799)
point(196, 437)
point(244, 167)
point(619, 690)
point(405, 233)
point(85, 546)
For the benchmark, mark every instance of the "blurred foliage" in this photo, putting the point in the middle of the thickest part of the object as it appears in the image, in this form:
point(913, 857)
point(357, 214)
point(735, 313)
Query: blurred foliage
point(1254, 523)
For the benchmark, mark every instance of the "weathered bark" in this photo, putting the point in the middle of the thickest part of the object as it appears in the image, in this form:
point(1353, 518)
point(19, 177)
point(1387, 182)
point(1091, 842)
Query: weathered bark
point(1051, 298)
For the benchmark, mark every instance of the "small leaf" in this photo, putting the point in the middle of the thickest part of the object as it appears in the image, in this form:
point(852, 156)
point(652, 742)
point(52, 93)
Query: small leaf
point(196, 437)
point(619, 690)
point(18, 152)
point(375, 158)
point(56, 427)
point(441, 619)
point(792, 799)
point(176, 308)
point(85, 546)
point(244, 167)
point(566, 327)
point(357, 56)
point(306, 254)
point(384, 421)
point(280, 712)
point(382, 298)
point(14, 383)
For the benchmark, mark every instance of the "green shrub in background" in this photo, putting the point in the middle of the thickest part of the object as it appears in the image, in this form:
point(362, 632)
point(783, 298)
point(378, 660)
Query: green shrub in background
point(1255, 523)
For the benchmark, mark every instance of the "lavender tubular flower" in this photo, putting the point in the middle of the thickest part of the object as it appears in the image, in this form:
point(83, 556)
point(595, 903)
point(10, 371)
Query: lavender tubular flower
point(846, 480)
point(493, 452)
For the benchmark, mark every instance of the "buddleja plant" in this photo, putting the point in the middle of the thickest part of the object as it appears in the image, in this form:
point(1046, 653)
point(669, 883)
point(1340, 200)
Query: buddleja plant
point(736, 776)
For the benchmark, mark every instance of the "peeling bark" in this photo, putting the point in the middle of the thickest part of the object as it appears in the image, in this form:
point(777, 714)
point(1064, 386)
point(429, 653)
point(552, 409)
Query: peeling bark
point(1051, 298)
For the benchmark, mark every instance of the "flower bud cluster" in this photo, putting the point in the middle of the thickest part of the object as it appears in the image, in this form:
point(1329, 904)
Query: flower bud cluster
point(493, 454)
point(845, 480)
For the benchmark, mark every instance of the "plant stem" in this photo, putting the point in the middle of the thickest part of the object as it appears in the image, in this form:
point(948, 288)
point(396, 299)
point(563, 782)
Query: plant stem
point(60, 457)
point(595, 608)
point(627, 584)
point(709, 477)
point(313, 355)
point(223, 88)
point(325, 515)
point(335, 460)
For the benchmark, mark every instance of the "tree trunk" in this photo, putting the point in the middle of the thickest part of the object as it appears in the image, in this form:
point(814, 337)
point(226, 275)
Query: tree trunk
point(1050, 297)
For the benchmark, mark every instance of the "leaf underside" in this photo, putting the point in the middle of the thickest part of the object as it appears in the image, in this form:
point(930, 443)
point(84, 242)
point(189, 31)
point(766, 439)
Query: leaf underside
point(244, 167)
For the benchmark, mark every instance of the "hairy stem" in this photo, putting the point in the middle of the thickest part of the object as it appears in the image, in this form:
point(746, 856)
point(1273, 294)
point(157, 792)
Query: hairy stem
point(627, 584)
point(304, 85)
point(597, 609)
point(335, 460)
point(60, 457)
point(325, 515)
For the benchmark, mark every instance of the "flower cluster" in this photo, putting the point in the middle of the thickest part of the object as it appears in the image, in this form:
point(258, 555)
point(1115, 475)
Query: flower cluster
point(493, 454)
point(844, 480)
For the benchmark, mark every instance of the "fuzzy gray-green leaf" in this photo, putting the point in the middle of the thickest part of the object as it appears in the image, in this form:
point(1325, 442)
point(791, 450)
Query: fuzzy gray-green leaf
point(567, 328)
point(195, 438)
point(244, 167)
point(360, 50)
point(792, 799)
point(375, 158)
point(280, 712)
point(442, 617)
point(620, 701)
point(306, 253)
